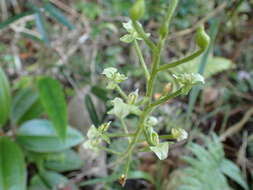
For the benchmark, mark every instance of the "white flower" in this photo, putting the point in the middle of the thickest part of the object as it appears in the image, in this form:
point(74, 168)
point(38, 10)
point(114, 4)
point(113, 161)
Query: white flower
point(179, 134)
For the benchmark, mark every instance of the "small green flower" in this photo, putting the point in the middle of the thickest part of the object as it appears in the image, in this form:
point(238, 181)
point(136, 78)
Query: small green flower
point(121, 109)
point(133, 97)
point(114, 77)
point(179, 134)
point(133, 34)
point(152, 136)
point(96, 136)
point(187, 81)
point(151, 121)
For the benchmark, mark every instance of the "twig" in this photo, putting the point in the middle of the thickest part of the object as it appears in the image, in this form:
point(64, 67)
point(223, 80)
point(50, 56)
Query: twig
point(238, 126)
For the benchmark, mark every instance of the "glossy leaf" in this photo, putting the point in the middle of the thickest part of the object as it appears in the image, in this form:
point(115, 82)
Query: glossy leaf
point(22, 102)
point(40, 136)
point(12, 166)
point(53, 100)
point(63, 161)
point(5, 98)
point(91, 110)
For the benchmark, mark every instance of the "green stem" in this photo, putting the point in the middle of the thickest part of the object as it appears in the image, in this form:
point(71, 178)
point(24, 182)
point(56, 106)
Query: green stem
point(168, 17)
point(143, 64)
point(116, 135)
point(181, 61)
point(121, 92)
point(141, 32)
point(123, 123)
point(168, 137)
point(127, 165)
point(109, 150)
point(136, 136)
point(166, 98)
point(155, 65)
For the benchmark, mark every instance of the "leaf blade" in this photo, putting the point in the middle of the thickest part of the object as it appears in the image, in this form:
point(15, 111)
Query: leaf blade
point(5, 98)
point(38, 135)
point(53, 101)
point(12, 168)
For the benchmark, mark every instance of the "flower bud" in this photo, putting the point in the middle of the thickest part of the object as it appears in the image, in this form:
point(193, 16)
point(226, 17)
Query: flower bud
point(137, 10)
point(202, 39)
point(104, 127)
point(151, 121)
point(163, 30)
point(133, 96)
point(151, 136)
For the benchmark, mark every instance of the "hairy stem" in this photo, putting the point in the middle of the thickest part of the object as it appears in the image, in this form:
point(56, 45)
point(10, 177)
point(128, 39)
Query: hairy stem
point(140, 56)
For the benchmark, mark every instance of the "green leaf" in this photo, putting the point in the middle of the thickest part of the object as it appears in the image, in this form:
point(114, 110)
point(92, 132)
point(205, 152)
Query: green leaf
point(39, 136)
point(40, 24)
point(22, 102)
point(127, 38)
point(33, 112)
point(53, 100)
point(5, 98)
point(161, 150)
point(101, 93)
point(67, 160)
point(50, 180)
point(232, 171)
point(58, 15)
point(37, 184)
point(14, 18)
point(214, 66)
point(91, 110)
point(12, 166)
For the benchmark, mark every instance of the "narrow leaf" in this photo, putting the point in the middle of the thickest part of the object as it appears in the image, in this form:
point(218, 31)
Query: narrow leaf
point(12, 166)
point(232, 171)
point(5, 98)
point(53, 100)
point(91, 110)
point(14, 18)
point(58, 15)
point(40, 24)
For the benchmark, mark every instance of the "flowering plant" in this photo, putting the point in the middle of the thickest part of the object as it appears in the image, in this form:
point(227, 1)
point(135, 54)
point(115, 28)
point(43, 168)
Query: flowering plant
point(143, 107)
